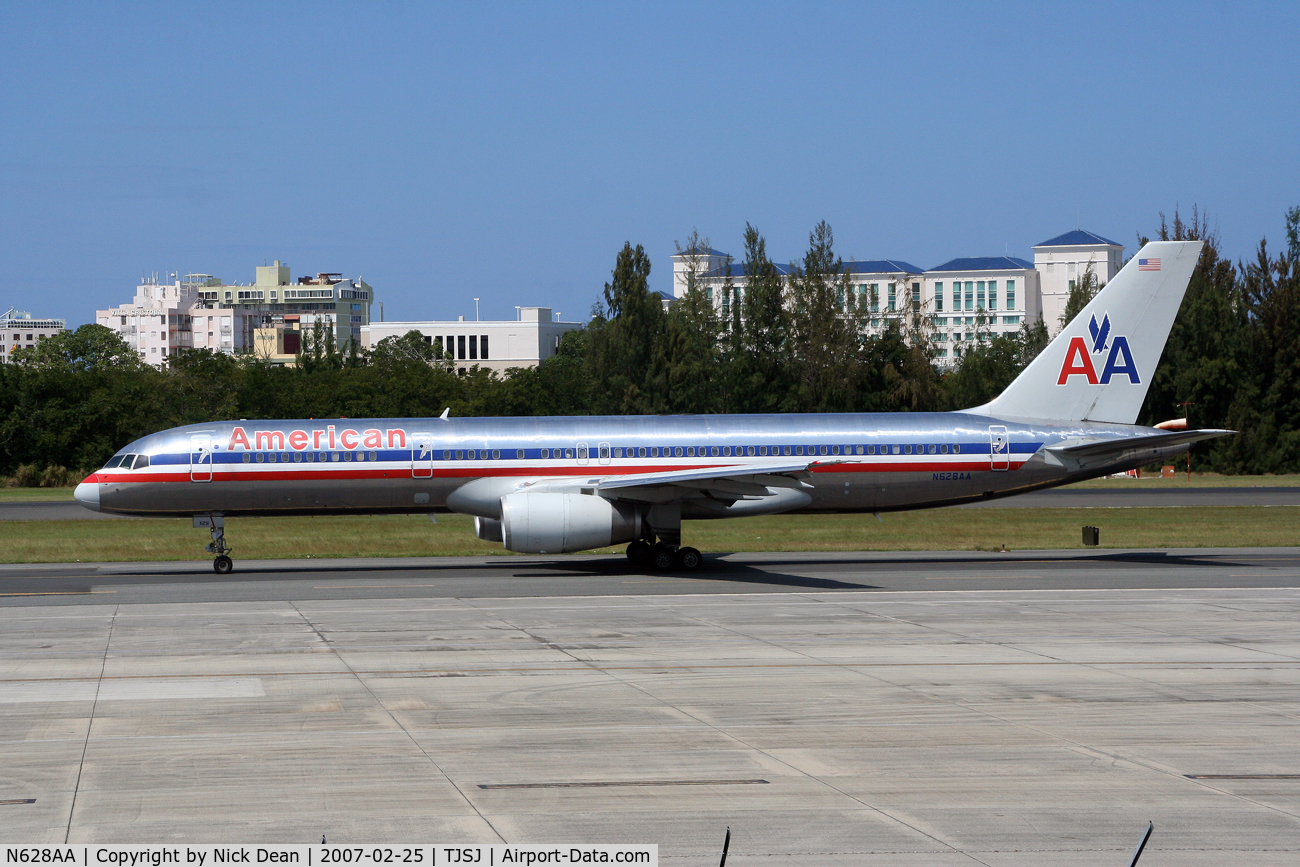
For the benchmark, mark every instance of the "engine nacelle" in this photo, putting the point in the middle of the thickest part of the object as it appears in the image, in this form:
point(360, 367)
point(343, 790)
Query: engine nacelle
point(541, 523)
point(488, 530)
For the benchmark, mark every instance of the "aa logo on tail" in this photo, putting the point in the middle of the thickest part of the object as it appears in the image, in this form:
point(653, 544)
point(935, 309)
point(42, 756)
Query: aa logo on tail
point(1079, 362)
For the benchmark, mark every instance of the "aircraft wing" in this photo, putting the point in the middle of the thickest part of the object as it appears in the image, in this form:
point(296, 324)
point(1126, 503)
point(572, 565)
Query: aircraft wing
point(1117, 447)
point(726, 483)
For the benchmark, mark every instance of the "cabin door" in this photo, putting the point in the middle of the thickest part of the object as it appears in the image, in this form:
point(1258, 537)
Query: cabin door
point(200, 458)
point(999, 448)
point(422, 456)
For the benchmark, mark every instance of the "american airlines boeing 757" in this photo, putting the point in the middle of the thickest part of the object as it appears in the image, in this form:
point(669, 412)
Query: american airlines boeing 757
point(560, 484)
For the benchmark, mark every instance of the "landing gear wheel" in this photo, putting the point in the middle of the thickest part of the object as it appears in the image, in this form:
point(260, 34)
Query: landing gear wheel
point(663, 558)
point(689, 559)
point(639, 552)
point(223, 565)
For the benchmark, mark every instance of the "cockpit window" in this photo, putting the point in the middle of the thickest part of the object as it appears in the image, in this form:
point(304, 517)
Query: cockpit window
point(141, 461)
point(115, 461)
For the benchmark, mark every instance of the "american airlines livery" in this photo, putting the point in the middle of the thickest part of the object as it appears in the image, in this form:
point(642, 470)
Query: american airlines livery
point(557, 484)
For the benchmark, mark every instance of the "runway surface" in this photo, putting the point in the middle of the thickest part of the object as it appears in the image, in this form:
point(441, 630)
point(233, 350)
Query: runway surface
point(612, 575)
point(825, 726)
point(1054, 498)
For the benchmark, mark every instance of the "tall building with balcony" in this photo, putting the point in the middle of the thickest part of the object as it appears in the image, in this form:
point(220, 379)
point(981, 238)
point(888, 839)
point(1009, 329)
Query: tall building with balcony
point(268, 316)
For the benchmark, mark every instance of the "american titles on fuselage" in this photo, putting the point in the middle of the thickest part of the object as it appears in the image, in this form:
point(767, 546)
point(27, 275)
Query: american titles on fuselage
point(329, 438)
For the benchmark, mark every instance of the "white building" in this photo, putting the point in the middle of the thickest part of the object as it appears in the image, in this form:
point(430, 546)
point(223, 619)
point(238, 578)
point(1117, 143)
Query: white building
point(978, 298)
point(494, 344)
point(19, 329)
point(1062, 260)
point(970, 299)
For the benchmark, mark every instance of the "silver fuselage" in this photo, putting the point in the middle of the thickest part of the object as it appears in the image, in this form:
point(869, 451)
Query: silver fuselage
point(863, 462)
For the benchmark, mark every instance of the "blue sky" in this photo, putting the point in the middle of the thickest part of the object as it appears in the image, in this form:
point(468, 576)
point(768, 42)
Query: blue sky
point(506, 151)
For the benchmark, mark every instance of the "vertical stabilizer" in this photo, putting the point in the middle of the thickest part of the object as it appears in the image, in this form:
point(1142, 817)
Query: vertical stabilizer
point(1099, 367)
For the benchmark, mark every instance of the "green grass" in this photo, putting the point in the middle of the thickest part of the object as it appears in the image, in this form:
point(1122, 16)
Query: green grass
point(35, 495)
point(416, 536)
point(1150, 481)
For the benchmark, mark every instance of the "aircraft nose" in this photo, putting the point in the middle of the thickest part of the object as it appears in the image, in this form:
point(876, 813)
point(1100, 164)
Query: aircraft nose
point(87, 494)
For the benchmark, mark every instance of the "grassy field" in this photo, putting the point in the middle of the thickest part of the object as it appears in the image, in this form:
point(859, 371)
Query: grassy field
point(416, 536)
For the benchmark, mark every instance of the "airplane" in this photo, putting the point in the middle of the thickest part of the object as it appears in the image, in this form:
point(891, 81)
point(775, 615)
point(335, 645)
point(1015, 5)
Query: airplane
point(561, 484)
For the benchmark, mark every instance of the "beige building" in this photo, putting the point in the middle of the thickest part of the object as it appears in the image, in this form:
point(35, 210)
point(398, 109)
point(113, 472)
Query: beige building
point(1063, 260)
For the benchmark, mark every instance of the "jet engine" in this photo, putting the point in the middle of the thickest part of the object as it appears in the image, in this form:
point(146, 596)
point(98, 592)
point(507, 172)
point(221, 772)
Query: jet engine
point(541, 523)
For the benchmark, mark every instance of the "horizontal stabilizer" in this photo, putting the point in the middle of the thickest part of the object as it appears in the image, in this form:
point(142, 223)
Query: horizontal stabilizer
point(1120, 445)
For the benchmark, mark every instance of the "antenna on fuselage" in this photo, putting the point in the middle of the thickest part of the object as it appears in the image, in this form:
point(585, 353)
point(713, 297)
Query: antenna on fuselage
point(446, 412)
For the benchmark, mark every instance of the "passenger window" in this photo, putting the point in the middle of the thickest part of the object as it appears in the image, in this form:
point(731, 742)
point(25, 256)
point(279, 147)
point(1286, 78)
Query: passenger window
point(568, 453)
point(835, 450)
point(956, 448)
point(897, 450)
point(582, 454)
point(749, 450)
point(618, 453)
point(519, 454)
point(934, 449)
point(546, 454)
point(943, 448)
point(859, 449)
point(496, 454)
point(247, 458)
point(871, 450)
point(297, 457)
point(309, 457)
point(907, 450)
point(798, 450)
point(654, 451)
point(822, 450)
point(604, 452)
point(713, 450)
point(640, 452)
point(460, 454)
point(347, 456)
point(374, 456)
point(726, 451)
point(787, 450)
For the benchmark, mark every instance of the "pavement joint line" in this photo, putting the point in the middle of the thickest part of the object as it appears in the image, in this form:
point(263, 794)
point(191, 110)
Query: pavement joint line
point(90, 724)
point(649, 667)
point(730, 734)
point(360, 679)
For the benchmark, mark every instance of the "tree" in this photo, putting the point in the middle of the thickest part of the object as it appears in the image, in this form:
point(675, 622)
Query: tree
point(824, 328)
point(624, 333)
point(759, 354)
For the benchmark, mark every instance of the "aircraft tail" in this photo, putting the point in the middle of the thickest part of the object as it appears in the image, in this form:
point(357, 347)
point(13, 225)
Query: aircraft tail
point(1100, 366)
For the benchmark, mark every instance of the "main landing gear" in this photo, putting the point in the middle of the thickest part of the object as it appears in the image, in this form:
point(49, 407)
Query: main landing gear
point(663, 557)
point(221, 563)
point(665, 524)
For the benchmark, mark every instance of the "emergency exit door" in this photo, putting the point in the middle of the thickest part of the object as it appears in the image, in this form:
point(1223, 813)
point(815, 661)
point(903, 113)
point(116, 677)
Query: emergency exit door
point(999, 448)
point(200, 458)
point(422, 456)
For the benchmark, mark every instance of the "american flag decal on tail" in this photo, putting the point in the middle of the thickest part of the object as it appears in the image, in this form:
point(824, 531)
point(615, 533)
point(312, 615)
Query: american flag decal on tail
point(1148, 264)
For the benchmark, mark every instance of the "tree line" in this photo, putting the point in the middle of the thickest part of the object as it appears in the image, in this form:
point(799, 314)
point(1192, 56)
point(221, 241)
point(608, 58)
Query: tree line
point(778, 342)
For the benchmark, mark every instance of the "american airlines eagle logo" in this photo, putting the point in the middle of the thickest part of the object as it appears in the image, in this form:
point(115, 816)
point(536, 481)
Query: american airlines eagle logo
point(1079, 356)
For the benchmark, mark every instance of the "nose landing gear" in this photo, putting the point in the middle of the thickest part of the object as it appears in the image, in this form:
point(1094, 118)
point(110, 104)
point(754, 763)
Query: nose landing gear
point(221, 563)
